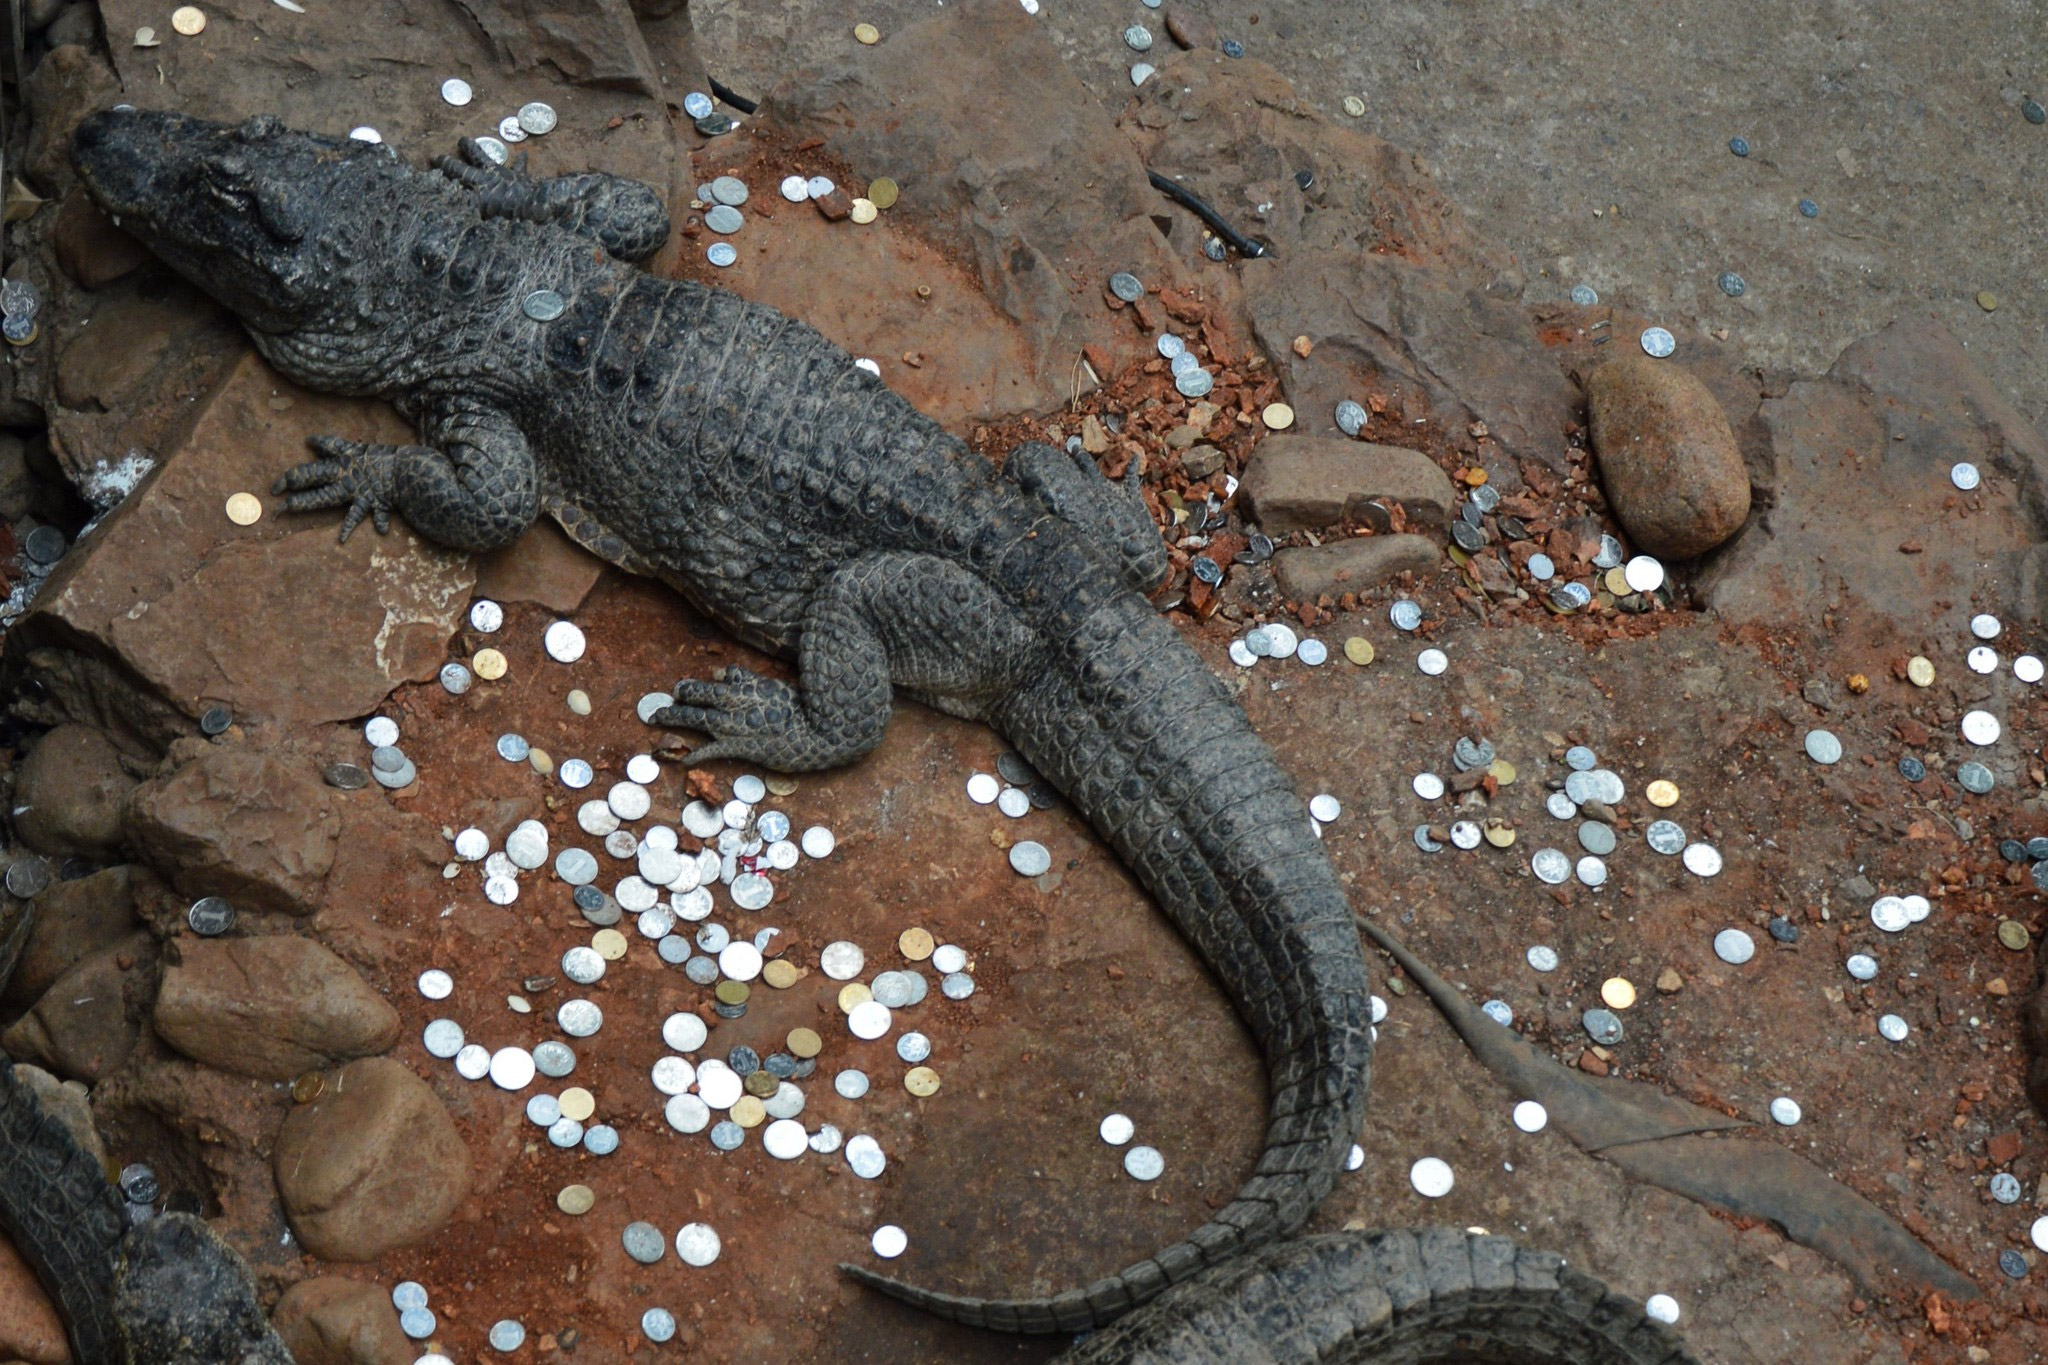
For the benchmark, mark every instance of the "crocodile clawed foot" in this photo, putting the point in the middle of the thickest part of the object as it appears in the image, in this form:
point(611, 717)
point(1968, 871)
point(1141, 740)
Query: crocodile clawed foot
point(348, 474)
point(476, 169)
point(742, 711)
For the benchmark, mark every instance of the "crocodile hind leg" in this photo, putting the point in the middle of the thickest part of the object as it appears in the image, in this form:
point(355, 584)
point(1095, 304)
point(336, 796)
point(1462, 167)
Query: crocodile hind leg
point(626, 217)
point(1111, 517)
point(884, 620)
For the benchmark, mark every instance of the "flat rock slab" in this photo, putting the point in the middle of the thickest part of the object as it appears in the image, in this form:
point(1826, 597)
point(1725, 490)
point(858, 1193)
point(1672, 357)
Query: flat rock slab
point(259, 830)
point(276, 642)
point(1305, 483)
point(1668, 460)
point(332, 1321)
point(372, 1165)
point(1308, 572)
point(270, 1007)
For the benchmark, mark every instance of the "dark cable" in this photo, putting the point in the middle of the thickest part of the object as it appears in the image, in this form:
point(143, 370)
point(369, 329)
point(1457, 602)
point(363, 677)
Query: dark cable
point(1187, 198)
point(739, 102)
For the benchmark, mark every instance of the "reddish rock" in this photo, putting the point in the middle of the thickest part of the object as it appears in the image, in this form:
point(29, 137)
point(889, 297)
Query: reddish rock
point(1306, 572)
point(332, 1321)
point(543, 566)
point(90, 249)
point(374, 1164)
point(1668, 462)
point(1305, 483)
point(69, 792)
point(1190, 29)
point(834, 206)
point(85, 1025)
point(258, 830)
point(72, 920)
point(69, 82)
point(270, 1007)
point(30, 1329)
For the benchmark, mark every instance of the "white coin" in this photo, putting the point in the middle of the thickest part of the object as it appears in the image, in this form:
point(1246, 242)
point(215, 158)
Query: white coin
point(1889, 913)
point(1432, 661)
point(1356, 1159)
point(785, 1139)
point(949, 958)
point(1964, 475)
point(2039, 1232)
point(471, 845)
point(749, 788)
point(527, 846)
point(1117, 1129)
point(983, 788)
point(673, 1075)
point(473, 1063)
point(512, 1068)
point(1982, 659)
point(1981, 728)
point(684, 1032)
point(818, 842)
point(595, 817)
point(740, 960)
point(889, 1241)
point(718, 1085)
point(500, 890)
point(1702, 860)
point(1661, 1308)
point(697, 1244)
point(650, 704)
point(635, 895)
point(1785, 1110)
point(1324, 807)
point(436, 984)
point(563, 642)
point(795, 189)
point(629, 800)
point(702, 819)
point(687, 1114)
point(1734, 947)
point(381, 731)
point(869, 1019)
point(1428, 786)
point(842, 960)
point(583, 965)
point(442, 1038)
point(819, 186)
point(1431, 1177)
point(1644, 574)
point(1379, 1010)
point(1985, 626)
point(2028, 669)
point(1531, 1117)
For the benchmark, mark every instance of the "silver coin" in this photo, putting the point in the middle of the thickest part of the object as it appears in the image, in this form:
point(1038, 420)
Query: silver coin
point(542, 1110)
point(1171, 345)
point(2028, 668)
point(1432, 662)
point(553, 1059)
point(621, 844)
point(913, 1048)
point(1917, 907)
point(795, 189)
point(891, 989)
point(1138, 38)
point(1425, 841)
point(2005, 1186)
point(1602, 1026)
point(729, 190)
point(473, 1063)
point(826, 1140)
point(583, 965)
point(1596, 838)
point(1552, 867)
point(842, 960)
point(724, 219)
point(1702, 860)
point(752, 891)
point(1584, 295)
point(563, 642)
point(692, 905)
point(513, 748)
point(1975, 778)
point(629, 801)
point(1571, 596)
point(1862, 966)
point(456, 679)
point(443, 1038)
point(851, 1084)
point(1610, 553)
point(543, 305)
point(1541, 568)
point(537, 118)
point(1126, 286)
point(456, 91)
point(1734, 947)
point(1578, 788)
point(864, 1155)
point(1405, 615)
point(1658, 342)
point(820, 186)
point(380, 732)
point(1187, 362)
point(728, 1136)
point(435, 984)
point(507, 1335)
point(600, 1139)
point(1664, 836)
point(1823, 747)
point(1465, 835)
point(501, 890)
point(1431, 1177)
point(1894, 1030)
point(644, 1242)
point(1144, 1163)
point(948, 958)
point(1194, 384)
point(210, 916)
point(785, 1139)
point(868, 1020)
point(702, 820)
point(595, 817)
point(1324, 807)
point(396, 781)
point(1982, 659)
point(713, 938)
point(1985, 626)
point(1283, 640)
point(417, 1323)
point(697, 104)
point(1785, 1110)
point(1314, 653)
point(1351, 418)
point(579, 1018)
point(1644, 574)
point(1012, 802)
point(1889, 914)
point(1591, 871)
point(1499, 1012)
point(1980, 728)
point(527, 846)
point(1258, 643)
point(1543, 959)
point(493, 148)
point(782, 855)
point(956, 985)
point(772, 826)
point(1030, 858)
point(1561, 806)
point(407, 1295)
point(576, 774)
point(386, 758)
point(686, 1113)
point(509, 129)
point(786, 1103)
point(1964, 475)
point(736, 813)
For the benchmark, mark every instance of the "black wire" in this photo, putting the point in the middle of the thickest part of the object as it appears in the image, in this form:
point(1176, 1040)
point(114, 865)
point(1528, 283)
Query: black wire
point(1243, 245)
point(739, 102)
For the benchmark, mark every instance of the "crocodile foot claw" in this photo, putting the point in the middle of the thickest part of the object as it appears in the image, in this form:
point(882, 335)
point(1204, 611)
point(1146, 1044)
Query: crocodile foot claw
point(742, 711)
point(476, 169)
point(351, 474)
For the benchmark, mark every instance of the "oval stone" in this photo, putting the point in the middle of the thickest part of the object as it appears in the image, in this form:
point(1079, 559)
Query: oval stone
point(1668, 461)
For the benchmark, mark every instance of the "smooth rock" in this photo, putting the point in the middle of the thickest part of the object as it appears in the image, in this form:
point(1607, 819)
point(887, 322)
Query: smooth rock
point(374, 1164)
point(30, 1329)
point(259, 830)
point(77, 23)
point(69, 792)
point(67, 84)
point(85, 1025)
point(71, 920)
point(90, 249)
point(1305, 483)
point(270, 1007)
point(1307, 572)
point(543, 566)
point(331, 1321)
point(1668, 462)
point(67, 1102)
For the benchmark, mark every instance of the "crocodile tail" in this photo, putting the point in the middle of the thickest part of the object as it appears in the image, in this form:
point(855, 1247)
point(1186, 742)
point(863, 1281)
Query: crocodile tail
point(60, 1213)
point(1130, 723)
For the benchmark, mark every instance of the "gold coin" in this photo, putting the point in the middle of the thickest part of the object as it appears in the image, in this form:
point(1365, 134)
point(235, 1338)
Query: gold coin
point(804, 1042)
point(1498, 834)
point(245, 509)
point(747, 1110)
point(313, 1085)
point(2011, 933)
point(575, 1200)
point(915, 944)
point(577, 1103)
point(863, 211)
point(1617, 582)
point(1920, 671)
point(882, 193)
point(34, 331)
point(867, 34)
point(1617, 992)
point(1354, 106)
point(1277, 416)
point(851, 994)
point(188, 19)
point(782, 786)
point(1358, 649)
point(731, 992)
point(761, 1083)
point(610, 944)
point(1987, 300)
point(781, 973)
point(921, 1080)
point(1662, 792)
point(1503, 772)
point(488, 664)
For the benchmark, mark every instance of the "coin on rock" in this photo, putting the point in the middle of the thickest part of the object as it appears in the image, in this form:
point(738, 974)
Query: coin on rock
point(189, 20)
point(245, 509)
point(866, 34)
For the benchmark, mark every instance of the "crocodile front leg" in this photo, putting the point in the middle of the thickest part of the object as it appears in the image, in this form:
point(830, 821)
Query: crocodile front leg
point(884, 620)
point(627, 218)
point(477, 491)
point(1114, 524)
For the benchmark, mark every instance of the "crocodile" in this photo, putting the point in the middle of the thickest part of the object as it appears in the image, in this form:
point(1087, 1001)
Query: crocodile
point(679, 432)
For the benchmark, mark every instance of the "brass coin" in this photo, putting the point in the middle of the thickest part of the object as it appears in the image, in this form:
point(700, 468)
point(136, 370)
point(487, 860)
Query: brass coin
point(804, 1042)
point(610, 944)
point(731, 992)
point(1277, 416)
point(312, 1085)
point(781, 973)
point(1503, 772)
point(782, 786)
point(1617, 582)
point(1498, 834)
point(188, 20)
point(1986, 300)
point(921, 1080)
point(853, 993)
point(575, 1200)
point(866, 34)
point(577, 1103)
point(864, 211)
point(1662, 792)
point(245, 509)
point(1920, 671)
point(747, 1110)
point(488, 664)
point(1358, 649)
point(882, 193)
point(2013, 934)
point(761, 1083)
point(915, 944)
point(1617, 992)
point(1354, 106)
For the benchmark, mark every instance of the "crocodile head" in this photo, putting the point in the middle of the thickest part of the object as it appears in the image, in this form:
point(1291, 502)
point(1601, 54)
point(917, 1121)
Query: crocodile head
point(232, 207)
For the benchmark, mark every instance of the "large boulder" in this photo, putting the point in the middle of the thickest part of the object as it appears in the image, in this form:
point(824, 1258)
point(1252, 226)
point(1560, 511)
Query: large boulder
point(256, 829)
point(1668, 460)
point(331, 1321)
point(68, 794)
point(374, 1164)
point(270, 1007)
point(1305, 483)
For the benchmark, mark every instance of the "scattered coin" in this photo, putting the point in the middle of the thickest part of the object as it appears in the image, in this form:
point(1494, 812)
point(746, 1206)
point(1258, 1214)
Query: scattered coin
point(456, 91)
point(1658, 342)
point(1785, 1110)
point(1431, 1177)
point(1661, 1308)
point(1354, 106)
point(1144, 1163)
point(190, 20)
point(1030, 858)
point(866, 34)
point(1964, 475)
point(1702, 860)
point(1892, 1028)
point(1432, 662)
point(1980, 728)
point(1734, 947)
point(1543, 959)
point(1531, 1117)
point(1823, 747)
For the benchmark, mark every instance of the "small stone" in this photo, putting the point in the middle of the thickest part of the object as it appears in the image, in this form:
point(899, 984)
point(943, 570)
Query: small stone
point(1668, 461)
point(1305, 483)
point(1202, 462)
point(329, 1320)
point(836, 206)
point(1669, 982)
point(1355, 564)
point(1189, 29)
point(68, 794)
